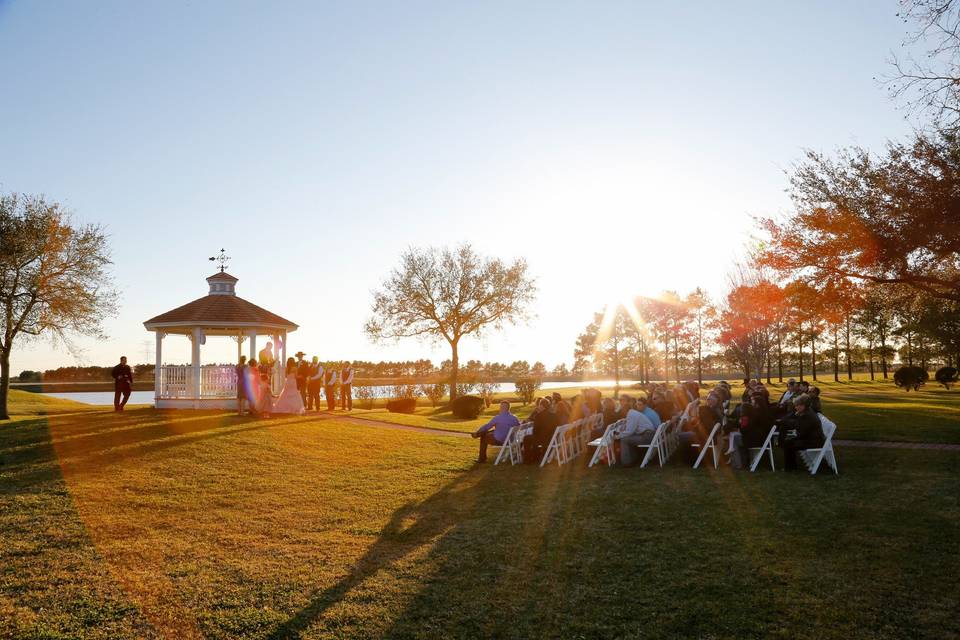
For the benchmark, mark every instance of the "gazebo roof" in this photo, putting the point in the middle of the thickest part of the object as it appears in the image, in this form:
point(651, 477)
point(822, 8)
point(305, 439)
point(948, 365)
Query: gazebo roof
point(220, 308)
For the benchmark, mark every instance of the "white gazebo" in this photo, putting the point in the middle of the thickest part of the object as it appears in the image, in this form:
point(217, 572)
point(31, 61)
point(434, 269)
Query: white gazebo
point(220, 313)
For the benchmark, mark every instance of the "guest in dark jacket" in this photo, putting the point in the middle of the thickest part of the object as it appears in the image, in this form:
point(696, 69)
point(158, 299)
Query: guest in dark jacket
point(562, 407)
point(610, 413)
point(545, 422)
point(798, 431)
point(756, 420)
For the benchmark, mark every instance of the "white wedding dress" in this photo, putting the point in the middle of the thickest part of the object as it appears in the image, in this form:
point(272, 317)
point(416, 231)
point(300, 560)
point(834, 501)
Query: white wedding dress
point(289, 400)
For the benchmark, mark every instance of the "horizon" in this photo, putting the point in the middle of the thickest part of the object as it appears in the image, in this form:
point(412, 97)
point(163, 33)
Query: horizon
point(328, 139)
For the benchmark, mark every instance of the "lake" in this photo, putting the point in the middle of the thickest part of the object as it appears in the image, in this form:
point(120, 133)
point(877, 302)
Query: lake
point(146, 397)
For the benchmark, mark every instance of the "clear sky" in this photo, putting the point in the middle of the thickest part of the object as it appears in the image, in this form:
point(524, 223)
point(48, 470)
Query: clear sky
point(621, 147)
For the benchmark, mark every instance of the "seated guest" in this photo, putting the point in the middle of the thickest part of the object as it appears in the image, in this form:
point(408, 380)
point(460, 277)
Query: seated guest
point(501, 425)
point(789, 394)
point(545, 422)
point(562, 407)
point(638, 431)
point(804, 387)
point(747, 389)
point(798, 431)
point(537, 408)
point(648, 411)
point(610, 413)
point(756, 419)
point(663, 405)
point(815, 405)
point(626, 403)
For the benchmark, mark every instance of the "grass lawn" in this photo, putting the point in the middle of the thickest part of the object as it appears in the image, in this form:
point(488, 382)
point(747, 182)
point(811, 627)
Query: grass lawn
point(863, 410)
point(151, 524)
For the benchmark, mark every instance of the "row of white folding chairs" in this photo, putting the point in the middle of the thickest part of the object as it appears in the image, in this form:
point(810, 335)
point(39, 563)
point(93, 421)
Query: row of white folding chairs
point(812, 458)
point(569, 441)
point(665, 441)
point(512, 447)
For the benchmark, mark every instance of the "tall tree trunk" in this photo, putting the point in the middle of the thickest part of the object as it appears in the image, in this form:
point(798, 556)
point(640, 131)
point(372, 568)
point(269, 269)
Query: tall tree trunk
point(676, 357)
point(666, 359)
point(455, 360)
point(813, 356)
point(768, 367)
point(870, 358)
point(836, 353)
point(801, 355)
point(4, 382)
point(883, 353)
point(616, 368)
point(779, 355)
point(849, 359)
point(909, 349)
point(699, 356)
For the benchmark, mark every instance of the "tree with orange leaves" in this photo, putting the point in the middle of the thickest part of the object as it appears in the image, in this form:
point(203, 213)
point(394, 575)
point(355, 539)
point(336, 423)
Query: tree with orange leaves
point(889, 219)
point(746, 321)
point(54, 278)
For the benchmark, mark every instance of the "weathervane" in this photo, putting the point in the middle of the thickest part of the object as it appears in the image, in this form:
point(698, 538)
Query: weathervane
point(221, 259)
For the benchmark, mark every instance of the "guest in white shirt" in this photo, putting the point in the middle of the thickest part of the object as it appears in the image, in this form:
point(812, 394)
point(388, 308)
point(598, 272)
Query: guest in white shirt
point(314, 384)
point(638, 431)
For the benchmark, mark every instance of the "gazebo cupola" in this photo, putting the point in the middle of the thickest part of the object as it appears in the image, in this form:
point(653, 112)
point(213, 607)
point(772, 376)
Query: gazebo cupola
point(220, 313)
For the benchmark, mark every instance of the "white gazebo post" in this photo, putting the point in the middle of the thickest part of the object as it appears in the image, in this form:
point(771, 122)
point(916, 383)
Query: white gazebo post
point(253, 344)
point(195, 362)
point(158, 369)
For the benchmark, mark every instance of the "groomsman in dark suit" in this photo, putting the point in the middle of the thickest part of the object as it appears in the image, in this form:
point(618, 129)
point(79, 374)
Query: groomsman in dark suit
point(346, 387)
point(314, 385)
point(330, 388)
point(122, 383)
point(302, 371)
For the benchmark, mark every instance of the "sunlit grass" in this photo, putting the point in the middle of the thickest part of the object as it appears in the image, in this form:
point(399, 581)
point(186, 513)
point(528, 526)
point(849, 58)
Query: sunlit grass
point(201, 524)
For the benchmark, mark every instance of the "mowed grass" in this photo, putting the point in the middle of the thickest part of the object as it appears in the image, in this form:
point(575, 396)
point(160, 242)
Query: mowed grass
point(862, 409)
point(152, 524)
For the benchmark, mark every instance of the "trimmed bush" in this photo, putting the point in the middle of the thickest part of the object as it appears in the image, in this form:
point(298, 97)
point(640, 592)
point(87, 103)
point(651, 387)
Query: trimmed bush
point(910, 378)
point(947, 376)
point(527, 388)
point(402, 405)
point(467, 407)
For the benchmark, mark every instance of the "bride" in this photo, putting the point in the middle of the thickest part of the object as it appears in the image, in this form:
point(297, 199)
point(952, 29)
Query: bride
point(289, 400)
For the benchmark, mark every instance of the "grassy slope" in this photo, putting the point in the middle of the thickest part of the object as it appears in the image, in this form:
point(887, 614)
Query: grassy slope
point(863, 410)
point(201, 524)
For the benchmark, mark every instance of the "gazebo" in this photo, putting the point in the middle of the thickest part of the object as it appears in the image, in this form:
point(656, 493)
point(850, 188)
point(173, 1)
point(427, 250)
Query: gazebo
point(220, 313)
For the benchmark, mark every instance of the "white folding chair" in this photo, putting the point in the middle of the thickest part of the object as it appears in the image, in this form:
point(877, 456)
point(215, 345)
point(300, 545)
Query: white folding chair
point(557, 448)
point(656, 445)
point(756, 453)
point(710, 445)
point(813, 457)
point(513, 446)
point(604, 443)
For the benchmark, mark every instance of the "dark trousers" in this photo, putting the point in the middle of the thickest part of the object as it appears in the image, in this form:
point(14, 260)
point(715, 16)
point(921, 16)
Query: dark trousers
point(302, 388)
point(331, 392)
point(313, 397)
point(790, 449)
point(120, 388)
point(346, 396)
point(486, 439)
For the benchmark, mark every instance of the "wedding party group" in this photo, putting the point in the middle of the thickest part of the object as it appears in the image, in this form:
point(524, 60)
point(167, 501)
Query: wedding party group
point(302, 385)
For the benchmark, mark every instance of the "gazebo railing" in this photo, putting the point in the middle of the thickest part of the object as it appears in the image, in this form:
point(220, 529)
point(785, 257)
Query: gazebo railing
point(216, 381)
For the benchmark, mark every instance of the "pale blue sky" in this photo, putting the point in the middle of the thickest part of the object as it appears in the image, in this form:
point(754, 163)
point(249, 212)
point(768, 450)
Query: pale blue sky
point(620, 147)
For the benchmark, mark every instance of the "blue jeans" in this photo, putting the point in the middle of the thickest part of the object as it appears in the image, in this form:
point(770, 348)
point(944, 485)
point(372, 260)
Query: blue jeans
point(629, 454)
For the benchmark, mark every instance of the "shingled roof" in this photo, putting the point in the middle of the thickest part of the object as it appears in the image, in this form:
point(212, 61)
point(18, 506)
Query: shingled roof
point(221, 307)
point(224, 310)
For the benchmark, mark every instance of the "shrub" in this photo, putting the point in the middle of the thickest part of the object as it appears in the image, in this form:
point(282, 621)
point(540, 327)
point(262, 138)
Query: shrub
point(402, 405)
point(29, 376)
point(405, 390)
point(527, 388)
point(947, 376)
point(467, 407)
point(910, 378)
point(486, 389)
point(434, 392)
point(365, 396)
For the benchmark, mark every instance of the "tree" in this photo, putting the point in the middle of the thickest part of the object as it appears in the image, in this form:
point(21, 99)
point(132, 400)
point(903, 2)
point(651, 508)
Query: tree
point(538, 370)
point(746, 324)
point(875, 320)
point(53, 278)
point(450, 293)
point(887, 220)
point(931, 84)
point(702, 316)
point(947, 376)
point(668, 319)
point(601, 341)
